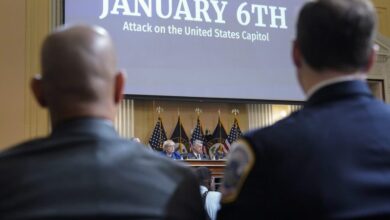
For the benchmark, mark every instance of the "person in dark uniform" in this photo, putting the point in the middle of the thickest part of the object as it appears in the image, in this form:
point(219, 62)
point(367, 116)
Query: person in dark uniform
point(329, 160)
point(197, 151)
point(83, 169)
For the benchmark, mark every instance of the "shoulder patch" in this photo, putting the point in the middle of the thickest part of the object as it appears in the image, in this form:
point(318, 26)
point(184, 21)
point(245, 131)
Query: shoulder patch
point(240, 162)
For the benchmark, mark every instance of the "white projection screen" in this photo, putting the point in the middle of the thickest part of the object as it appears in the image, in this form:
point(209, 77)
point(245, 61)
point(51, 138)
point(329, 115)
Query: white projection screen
point(223, 49)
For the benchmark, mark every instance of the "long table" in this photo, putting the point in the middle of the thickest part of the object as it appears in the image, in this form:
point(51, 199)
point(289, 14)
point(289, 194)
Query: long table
point(216, 167)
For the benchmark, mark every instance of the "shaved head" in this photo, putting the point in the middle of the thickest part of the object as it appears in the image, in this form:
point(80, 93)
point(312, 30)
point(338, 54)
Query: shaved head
point(79, 74)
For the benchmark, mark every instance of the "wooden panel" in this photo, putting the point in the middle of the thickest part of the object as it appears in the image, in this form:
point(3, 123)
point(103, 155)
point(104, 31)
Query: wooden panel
point(260, 115)
point(12, 63)
point(25, 24)
point(216, 167)
point(124, 120)
point(39, 24)
point(383, 10)
point(41, 18)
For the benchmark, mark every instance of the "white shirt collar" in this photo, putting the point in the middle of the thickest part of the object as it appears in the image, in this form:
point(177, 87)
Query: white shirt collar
point(203, 189)
point(322, 84)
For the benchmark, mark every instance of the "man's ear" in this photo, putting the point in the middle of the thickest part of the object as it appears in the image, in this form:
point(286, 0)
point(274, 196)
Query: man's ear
point(371, 58)
point(37, 89)
point(120, 79)
point(296, 55)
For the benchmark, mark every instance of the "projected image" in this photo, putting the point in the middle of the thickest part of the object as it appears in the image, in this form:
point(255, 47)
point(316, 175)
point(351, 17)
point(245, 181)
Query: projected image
point(200, 48)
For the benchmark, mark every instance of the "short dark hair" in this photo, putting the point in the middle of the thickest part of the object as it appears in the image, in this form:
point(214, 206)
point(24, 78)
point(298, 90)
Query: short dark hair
point(337, 34)
point(203, 174)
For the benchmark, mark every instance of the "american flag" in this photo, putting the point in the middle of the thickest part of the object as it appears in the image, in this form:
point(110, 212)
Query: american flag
point(235, 133)
point(158, 136)
point(198, 134)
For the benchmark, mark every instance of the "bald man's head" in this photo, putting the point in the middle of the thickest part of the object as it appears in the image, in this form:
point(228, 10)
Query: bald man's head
point(79, 73)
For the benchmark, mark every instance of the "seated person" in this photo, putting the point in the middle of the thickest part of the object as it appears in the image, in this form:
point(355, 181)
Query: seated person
point(197, 151)
point(169, 150)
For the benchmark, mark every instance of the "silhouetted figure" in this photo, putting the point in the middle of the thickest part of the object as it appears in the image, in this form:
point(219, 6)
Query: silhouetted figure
point(83, 169)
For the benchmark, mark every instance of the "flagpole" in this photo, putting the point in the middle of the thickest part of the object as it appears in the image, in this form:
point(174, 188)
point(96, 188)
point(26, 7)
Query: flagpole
point(198, 112)
point(159, 110)
point(180, 147)
point(220, 127)
point(235, 112)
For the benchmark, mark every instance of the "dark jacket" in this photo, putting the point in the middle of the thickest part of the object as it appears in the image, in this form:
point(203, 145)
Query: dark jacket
point(192, 156)
point(330, 160)
point(175, 155)
point(83, 170)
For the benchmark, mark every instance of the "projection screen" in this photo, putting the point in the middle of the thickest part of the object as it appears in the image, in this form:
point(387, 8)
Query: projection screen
point(229, 49)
